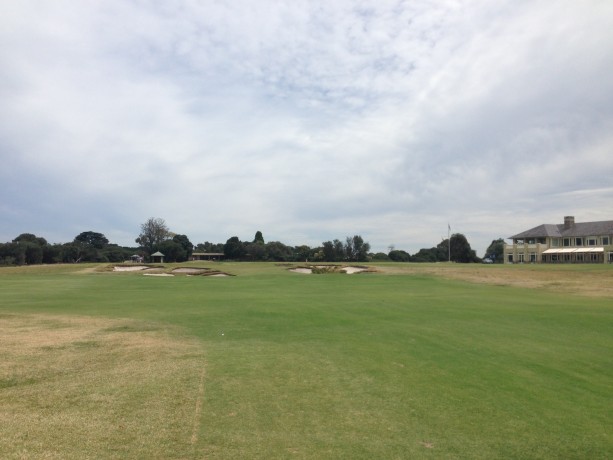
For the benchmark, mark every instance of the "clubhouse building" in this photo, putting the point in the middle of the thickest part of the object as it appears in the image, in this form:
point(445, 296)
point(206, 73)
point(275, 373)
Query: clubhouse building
point(570, 242)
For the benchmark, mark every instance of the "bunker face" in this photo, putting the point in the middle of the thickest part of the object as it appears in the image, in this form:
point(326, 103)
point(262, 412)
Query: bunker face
point(130, 268)
point(191, 271)
point(352, 270)
point(304, 271)
point(329, 269)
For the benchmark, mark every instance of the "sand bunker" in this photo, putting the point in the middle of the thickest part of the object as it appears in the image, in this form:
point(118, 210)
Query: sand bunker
point(352, 270)
point(158, 274)
point(305, 271)
point(191, 271)
point(329, 269)
point(131, 268)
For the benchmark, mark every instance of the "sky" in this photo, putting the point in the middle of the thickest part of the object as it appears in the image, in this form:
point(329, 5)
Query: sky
point(305, 120)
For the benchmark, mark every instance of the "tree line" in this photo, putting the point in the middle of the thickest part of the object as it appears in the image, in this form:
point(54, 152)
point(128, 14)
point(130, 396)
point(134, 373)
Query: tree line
point(154, 236)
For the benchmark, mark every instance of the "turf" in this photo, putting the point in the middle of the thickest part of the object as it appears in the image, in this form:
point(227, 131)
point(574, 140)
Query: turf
point(409, 365)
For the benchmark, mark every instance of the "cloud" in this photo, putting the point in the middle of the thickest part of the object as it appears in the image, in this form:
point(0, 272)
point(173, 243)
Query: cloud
point(306, 120)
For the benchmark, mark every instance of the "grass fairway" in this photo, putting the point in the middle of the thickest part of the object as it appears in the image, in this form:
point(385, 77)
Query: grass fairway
point(405, 363)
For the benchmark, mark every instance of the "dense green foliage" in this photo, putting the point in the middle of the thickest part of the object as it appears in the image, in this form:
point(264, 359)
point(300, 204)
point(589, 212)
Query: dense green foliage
point(364, 366)
point(495, 251)
point(90, 246)
point(27, 249)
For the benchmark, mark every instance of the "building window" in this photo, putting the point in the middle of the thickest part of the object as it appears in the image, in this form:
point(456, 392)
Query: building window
point(531, 241)
point(592, 241)
point(578, 241)
point(532, 257)
point(611, 257)
point(541, 240)
point(510, 258)
point(605, 241)
point(554, 257)
point(521, 258)
point(555, 242)
point(580, 257)
point(566, 242)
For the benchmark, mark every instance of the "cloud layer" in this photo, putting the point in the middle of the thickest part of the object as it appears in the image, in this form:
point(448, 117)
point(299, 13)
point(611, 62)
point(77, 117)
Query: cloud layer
point(306, 120)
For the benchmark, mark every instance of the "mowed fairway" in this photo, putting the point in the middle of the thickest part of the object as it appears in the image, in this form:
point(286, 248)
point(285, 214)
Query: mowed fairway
point(404, 363)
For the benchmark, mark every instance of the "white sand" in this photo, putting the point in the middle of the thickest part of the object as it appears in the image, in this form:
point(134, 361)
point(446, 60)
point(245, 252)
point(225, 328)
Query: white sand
point(352, 270)
point(306, 271)
point(130, 269)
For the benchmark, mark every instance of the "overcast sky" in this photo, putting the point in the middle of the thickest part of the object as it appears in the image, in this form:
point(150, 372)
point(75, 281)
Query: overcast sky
point(306, 120)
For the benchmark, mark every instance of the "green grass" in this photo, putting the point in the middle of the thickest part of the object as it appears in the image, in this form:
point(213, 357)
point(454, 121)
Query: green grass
point(356, 366)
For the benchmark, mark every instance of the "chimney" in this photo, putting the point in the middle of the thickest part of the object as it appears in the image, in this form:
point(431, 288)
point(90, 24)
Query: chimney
point(569, 221)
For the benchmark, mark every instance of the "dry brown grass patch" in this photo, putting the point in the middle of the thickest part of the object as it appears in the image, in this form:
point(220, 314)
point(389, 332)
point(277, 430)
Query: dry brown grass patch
point(77, 387)
point(587, 280)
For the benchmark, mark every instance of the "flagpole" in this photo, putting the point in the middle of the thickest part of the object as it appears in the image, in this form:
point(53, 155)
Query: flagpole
point(449, 240)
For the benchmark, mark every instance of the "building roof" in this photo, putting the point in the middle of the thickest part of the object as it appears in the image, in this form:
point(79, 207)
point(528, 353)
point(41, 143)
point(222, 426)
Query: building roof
point(604, 227)
point(157, 254)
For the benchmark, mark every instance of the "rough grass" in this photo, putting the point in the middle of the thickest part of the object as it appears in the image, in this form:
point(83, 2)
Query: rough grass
point(593, 280)
point(78, 387)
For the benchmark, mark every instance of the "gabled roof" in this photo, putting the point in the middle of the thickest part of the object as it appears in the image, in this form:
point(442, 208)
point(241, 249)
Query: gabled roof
point(604, 227)
point(541, 231)
point(157, 254)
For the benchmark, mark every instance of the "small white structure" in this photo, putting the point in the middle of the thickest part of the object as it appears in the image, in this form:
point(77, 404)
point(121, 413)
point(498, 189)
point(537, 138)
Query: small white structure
point(157, 258)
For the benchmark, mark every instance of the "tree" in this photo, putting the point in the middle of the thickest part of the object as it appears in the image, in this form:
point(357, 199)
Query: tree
point(427, 255)
point(398, 255)
point(259, 238)
point(234, 248)
point(93, 239)
point(152, 233)
point(27, 248)
point(460, 249)
point(187, 246)
point(30, 238)
point(328, 251)
point(255, 251)
point(278, 251)
point(173, 251)
point(209, 247)
point(88, 246)
point(339, 250)
point(302, 252)
point(356, 249)
point(495, 250)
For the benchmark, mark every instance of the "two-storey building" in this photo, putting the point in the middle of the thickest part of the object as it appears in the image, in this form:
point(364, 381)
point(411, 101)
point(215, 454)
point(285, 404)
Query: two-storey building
point(570, 242)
